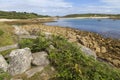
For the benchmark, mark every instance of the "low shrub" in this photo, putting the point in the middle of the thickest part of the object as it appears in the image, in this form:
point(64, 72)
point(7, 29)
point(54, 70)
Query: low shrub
point(69, 62)
point(39, 44)
point(72, 64)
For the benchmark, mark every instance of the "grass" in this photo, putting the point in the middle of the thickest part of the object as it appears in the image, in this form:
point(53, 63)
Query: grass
point(37, 45)
point(6, 37)
point(69, 62)
point(19, 15)
point(4, 75)
point(6, 52)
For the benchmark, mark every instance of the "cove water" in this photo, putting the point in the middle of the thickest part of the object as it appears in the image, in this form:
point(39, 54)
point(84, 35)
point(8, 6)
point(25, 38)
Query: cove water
point(106, 27)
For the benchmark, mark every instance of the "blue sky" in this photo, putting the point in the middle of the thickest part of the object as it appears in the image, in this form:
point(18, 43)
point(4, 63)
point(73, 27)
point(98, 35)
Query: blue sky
point(61, 7)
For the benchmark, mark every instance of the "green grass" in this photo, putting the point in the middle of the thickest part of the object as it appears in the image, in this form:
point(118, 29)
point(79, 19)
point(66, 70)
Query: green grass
point(69, 62)
point(1, 32)
point(6, 35)
point(4, 75)
point(39, 44)
point(6, 52)
point(19, 15)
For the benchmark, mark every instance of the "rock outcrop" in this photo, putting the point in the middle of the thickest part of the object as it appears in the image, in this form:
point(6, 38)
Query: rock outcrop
point(40, 59)
point(3, 63)
point(20, 61)
point(20, 31)
point(105, 48)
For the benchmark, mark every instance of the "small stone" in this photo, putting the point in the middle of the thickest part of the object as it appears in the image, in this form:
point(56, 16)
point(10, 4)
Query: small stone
point(103, 49)
point(48, 35)
point(51, 47)
point(97, 49)
point(116, 62)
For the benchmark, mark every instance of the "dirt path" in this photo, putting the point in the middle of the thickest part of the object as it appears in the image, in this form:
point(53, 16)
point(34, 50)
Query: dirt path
point(7, 20)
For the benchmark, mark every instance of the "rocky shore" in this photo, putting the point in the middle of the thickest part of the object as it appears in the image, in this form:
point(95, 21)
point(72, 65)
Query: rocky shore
point(106, 49)
point(25, 64)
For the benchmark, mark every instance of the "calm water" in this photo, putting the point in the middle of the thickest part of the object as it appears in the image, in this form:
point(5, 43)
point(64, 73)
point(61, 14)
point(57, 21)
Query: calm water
point(106, 27)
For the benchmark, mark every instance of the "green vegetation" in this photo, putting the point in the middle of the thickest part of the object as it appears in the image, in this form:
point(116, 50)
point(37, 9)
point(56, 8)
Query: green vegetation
point(19, 15)
point(4, 53)
point(4, 75)
point(94, 15)
point(39, 44)
point(1, 32)
point(6, 35)
point(69, 62)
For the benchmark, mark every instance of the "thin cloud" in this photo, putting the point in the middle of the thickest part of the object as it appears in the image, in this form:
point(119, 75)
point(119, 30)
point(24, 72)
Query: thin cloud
point(60, 7)
point(39, 6)
point(112, 3)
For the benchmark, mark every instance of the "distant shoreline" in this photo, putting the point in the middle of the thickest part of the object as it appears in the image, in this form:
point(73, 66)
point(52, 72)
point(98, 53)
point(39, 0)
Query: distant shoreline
point(85, 18)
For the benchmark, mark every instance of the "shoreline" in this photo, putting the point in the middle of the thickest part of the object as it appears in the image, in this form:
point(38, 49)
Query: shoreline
point(85, 18)
point(107, 34)
point(106, 48)
point(26, 21)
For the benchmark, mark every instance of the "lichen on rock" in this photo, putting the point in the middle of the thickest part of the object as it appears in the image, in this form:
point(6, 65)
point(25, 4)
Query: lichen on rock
point(20, 61)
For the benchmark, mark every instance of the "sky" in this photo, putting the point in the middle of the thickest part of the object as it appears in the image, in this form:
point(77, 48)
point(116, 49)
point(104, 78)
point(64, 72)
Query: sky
point(61, 7)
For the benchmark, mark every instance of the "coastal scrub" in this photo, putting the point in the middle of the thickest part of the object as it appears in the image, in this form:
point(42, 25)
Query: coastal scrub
point(70, 62)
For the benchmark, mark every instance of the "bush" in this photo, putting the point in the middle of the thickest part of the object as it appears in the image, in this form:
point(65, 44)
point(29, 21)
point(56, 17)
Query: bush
point(26, 43)
point(39, 44)
point(70, 63)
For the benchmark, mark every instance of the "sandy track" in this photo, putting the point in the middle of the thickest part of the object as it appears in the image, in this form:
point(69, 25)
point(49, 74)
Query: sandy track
point(7, 20)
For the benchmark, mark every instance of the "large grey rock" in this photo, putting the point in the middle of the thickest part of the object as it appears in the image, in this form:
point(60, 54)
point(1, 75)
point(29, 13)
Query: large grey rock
point(88, 51)
point(40, 59)
point(20, 61)
point(3, 63)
